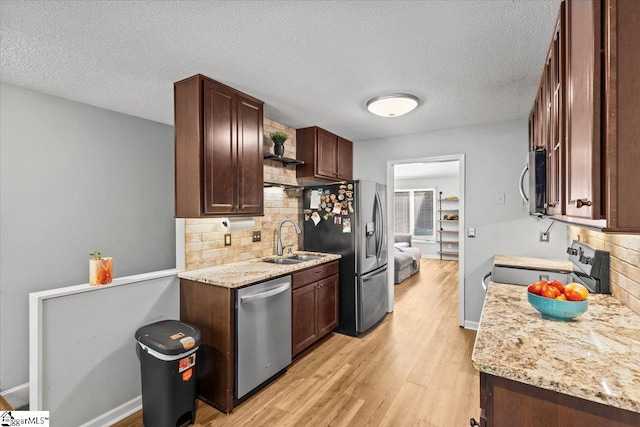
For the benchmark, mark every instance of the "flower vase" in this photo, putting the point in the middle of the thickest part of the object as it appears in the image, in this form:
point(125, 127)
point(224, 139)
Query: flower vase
point(100, 271)
point(278, 149)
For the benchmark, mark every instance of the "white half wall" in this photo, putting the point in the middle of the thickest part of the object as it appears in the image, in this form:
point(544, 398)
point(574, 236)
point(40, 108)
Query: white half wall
point(83, 362)
point(494, 157)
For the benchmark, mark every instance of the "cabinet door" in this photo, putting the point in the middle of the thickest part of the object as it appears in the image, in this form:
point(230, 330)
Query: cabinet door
point(583, 109)
point(220, 153)
point(303, 318)
point(250, 156)
point(327, 305)
point(555, 61)
point(345, 159)
point(326, 154)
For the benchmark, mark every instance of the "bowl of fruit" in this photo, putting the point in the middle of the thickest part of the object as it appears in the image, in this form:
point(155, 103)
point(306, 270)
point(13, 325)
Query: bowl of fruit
point(556, 301)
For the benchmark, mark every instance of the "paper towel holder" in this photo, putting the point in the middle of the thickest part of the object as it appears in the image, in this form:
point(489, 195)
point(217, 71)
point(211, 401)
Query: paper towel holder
point(237, 224)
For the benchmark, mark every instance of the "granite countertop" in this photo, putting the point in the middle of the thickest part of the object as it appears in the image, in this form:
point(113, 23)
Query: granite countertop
point(242, 273)
point(533, 263)
point(596, 356)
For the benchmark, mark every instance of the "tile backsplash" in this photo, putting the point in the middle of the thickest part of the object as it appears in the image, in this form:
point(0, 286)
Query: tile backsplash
point(625, 261)
point(204, 237)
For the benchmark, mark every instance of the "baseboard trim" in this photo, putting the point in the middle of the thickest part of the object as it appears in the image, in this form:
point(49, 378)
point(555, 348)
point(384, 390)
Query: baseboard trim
point(471, 325)
point(116, 414)
point(18, 396)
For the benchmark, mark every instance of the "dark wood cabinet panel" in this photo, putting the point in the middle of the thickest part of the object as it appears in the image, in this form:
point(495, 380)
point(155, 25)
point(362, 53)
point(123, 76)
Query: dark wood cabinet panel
point(314, 305)
point(211, 309)
point(345, 159)
point(303, 310)
point(218, 150)
point(327, 305)
point(590, 88)
point(313, 274)
point(621, 115)
point(556, 145)
point(220, 141)
point(583, 110)
point(250, 156)
point(326, 156)
point(505, 402)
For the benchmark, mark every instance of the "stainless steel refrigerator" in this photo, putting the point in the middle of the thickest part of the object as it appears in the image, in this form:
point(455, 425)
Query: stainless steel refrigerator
point(349, 219)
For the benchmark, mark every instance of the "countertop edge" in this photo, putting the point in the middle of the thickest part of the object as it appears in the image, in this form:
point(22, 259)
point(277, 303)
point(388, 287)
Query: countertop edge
point(238, 274)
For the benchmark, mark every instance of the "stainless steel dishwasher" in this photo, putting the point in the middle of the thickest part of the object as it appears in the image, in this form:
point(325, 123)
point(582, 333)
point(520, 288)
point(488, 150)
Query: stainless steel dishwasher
point(263, 333)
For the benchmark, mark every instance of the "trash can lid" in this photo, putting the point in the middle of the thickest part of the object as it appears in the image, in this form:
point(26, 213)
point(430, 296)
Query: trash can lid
point(169, 337)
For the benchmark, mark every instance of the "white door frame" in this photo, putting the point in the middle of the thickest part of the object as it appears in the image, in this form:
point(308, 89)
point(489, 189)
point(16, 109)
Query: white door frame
point(391, 216)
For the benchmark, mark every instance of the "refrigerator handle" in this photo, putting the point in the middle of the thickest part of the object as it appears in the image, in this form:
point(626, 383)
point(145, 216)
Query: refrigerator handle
point(379, 226)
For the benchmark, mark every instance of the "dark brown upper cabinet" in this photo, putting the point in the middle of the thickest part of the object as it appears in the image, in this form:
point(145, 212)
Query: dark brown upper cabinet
point(546, 120)
point(218, 148)
point(326, 156)
point(590, 123)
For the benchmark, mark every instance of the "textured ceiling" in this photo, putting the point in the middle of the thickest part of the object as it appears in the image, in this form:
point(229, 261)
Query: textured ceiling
point(312, 62)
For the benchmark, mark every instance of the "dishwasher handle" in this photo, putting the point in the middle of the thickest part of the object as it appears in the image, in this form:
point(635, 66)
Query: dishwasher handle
point(264, 295)
point(484, 280)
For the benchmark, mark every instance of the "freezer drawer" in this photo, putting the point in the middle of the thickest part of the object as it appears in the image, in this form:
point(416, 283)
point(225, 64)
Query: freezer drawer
point(372, 299)
point(263, 319)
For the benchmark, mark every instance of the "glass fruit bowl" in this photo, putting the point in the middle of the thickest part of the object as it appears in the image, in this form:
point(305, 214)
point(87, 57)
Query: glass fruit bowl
point(557, 309)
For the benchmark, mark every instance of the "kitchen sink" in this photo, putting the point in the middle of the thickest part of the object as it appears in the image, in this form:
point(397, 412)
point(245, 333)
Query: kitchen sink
point(305, 257)
point(294, 259)
point(284, 260)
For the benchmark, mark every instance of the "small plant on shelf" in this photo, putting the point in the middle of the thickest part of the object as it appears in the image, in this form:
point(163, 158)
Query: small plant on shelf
point(278, 138)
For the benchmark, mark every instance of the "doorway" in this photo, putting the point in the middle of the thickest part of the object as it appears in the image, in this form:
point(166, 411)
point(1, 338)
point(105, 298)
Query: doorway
point(426, 200)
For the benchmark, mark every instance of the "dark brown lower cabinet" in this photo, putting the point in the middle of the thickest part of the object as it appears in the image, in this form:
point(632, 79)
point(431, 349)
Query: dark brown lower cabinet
point(211, 309)
point(314, 305)
point(506, 403)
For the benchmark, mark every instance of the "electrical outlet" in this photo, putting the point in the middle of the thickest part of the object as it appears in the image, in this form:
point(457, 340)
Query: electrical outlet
point(544, 236)
point(471, 232)
point(227, 239)
point(257, 236)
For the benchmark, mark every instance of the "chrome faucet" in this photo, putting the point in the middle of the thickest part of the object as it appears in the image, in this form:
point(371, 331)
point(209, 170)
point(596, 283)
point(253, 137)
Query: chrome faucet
point(279, 247)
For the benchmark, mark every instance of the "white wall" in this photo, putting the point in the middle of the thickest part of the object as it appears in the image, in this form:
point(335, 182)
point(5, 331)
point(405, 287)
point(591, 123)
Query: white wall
point(449, 185)
point(495, 155)
point(74, 179)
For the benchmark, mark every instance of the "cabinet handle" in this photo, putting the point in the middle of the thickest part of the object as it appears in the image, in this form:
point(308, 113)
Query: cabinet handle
point(580, 203)
point(473, 422)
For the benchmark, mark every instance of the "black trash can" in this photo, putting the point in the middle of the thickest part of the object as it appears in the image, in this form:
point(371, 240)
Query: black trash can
point(167, 353)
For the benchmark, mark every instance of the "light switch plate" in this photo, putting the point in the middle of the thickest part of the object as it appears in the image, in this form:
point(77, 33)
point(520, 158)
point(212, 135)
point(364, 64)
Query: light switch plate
point(257, 236)
point(227, 239)
point(500, 199)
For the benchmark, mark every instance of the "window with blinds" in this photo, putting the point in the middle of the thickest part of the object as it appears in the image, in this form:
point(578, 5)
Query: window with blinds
point(415, 212)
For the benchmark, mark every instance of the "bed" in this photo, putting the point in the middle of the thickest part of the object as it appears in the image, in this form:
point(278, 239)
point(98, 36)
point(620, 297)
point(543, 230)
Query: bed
point(406, 258)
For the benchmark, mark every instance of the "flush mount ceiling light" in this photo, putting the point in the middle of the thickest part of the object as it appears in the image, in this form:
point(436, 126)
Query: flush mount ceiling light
point(392, 105)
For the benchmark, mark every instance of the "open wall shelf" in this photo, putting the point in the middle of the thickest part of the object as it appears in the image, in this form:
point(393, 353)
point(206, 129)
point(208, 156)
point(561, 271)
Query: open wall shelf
point(448, 235)
point(286, 161)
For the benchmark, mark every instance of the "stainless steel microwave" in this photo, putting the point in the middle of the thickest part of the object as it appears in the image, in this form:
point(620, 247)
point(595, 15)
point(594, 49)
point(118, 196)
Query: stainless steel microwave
point(536, 167)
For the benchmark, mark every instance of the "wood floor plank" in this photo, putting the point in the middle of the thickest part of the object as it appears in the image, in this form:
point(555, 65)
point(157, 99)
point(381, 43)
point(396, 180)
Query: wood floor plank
point(414, 369)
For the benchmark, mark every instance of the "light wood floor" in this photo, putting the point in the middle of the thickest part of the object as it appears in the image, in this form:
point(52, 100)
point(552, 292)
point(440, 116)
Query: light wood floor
point(414, 369)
